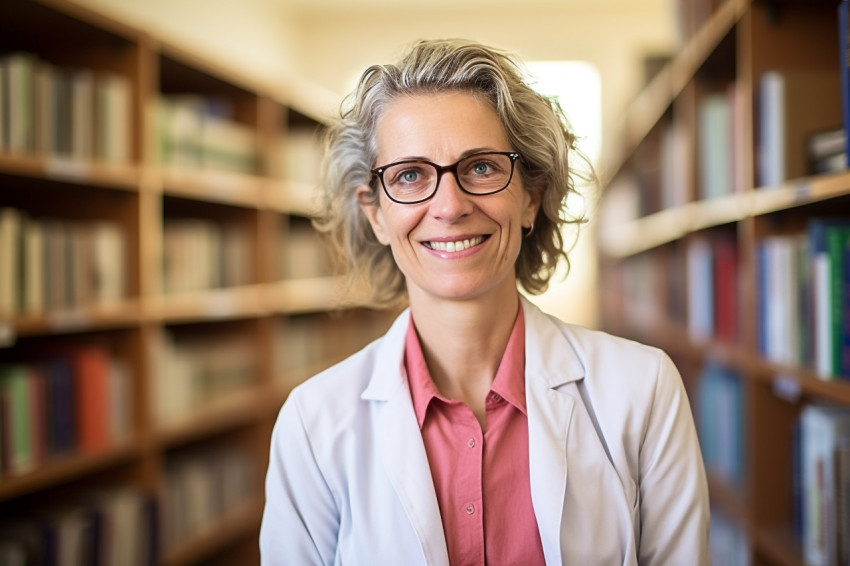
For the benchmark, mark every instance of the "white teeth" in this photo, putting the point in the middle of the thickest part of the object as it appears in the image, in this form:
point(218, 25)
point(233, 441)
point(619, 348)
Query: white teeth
point(456, 246)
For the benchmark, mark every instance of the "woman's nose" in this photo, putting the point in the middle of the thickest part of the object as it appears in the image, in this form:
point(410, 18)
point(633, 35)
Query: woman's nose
point(450, 201)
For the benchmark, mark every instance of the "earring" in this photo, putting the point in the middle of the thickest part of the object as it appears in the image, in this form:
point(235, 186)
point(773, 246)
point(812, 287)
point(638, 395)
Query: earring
point(530, 230)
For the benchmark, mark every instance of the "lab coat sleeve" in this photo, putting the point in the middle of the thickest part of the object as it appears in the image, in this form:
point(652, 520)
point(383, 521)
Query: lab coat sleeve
point(674, 508)
point(300, 521)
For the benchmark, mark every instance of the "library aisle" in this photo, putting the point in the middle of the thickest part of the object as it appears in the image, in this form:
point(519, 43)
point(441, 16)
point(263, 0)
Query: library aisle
point(724, 236)
point(161, 291)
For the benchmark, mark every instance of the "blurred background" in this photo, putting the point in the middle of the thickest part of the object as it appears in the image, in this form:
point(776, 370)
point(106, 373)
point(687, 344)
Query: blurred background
point(325, 45)
point(162, 287)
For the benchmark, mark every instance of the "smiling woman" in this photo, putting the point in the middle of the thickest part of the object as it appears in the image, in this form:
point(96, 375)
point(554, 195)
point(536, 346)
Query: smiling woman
point(450, 440)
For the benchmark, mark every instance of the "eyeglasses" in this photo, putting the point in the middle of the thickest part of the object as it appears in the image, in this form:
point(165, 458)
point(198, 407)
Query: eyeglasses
point(416, 180)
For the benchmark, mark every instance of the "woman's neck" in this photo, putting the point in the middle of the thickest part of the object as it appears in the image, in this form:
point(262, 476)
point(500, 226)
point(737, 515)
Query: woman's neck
point(463, 343)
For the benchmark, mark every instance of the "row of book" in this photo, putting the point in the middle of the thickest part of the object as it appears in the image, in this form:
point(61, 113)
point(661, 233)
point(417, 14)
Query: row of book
point(201, 488)
point(804, 306)
point(300, 151)
point(721, 424)
point(192, 371)
point(76, 114)
point(307, 343)
point(51, 265)
point(114, 526)
point(199, 132)
point(798, 132)
point(203, 254)
point(303, 254)
point(822, 484)
point(74, 400)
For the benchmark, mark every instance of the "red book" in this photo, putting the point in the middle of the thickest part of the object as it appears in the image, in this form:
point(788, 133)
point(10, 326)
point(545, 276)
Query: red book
point(91, 388)
point(726, 290)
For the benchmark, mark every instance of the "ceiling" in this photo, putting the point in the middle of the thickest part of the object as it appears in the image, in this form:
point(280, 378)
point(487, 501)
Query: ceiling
point(324, 6)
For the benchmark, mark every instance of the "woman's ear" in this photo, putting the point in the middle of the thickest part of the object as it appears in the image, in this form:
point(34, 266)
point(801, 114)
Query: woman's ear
point(533, 196)
point(372, 209)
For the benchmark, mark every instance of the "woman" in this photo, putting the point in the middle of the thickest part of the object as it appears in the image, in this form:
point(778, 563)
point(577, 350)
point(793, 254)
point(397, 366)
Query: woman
point(478, 429)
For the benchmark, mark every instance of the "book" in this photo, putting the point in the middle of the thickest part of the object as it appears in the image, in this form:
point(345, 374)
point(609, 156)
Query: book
point(720, 423)
point(714, 140)
point(793, 105)
point(92, 398)
point(33, 268)
point(823, 431)
point(4, 110)
point(19, 68)
point(837, 239)
point(700, 276)
point(18, 445)
point(726, 290)
point(782, 273)
point(844, 70)
point(60, 414)
point(10, 233)
point(112, 107)
point(820, 293)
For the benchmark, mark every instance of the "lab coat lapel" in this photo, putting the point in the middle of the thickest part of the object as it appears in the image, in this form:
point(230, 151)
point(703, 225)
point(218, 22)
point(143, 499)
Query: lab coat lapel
point(551, 365)
point(400, 445)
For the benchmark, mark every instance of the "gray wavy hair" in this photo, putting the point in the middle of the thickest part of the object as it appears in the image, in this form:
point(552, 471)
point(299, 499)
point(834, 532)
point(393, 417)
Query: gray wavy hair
point(536, 128)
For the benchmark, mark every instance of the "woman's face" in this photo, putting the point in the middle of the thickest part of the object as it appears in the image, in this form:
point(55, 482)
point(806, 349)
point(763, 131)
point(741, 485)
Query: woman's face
point(483, 232)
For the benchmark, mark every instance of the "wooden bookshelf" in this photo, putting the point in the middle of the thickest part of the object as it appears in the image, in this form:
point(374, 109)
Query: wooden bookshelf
point(660, 233)
point(137, 166)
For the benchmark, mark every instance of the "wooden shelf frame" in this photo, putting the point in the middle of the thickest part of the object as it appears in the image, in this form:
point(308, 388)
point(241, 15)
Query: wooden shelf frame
point(643, 257)
point(148, 195)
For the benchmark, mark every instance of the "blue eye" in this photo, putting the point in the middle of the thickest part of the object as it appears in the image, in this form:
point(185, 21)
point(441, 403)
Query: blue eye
point(481, 168)
point(409, 176)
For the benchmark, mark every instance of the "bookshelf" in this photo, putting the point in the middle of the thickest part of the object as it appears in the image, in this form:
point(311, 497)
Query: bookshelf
point(706, 228)
point(161, 289)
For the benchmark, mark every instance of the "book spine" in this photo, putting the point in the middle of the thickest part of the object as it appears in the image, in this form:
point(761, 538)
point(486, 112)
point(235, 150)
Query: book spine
point(844, 60)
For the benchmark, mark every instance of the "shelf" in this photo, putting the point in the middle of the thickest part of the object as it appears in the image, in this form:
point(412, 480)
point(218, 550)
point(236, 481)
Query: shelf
point(799, 192)
point(293, 197)
point(294, 296)
point(66, 468)
point(214, 186)
point(206, 305)
point(124, 314)
point(119, 177)
point(233, 526)
point(654, 230)
point(230, 410)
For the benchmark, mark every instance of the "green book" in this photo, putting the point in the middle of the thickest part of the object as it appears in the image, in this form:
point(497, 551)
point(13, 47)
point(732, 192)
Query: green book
point(837, 239)
point(16, 400)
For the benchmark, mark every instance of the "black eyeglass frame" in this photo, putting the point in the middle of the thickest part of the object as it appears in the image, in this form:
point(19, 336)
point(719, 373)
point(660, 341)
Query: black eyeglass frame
point(441, 169)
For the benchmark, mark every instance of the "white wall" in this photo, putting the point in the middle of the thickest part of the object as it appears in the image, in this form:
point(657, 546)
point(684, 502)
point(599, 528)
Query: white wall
point(250, 36)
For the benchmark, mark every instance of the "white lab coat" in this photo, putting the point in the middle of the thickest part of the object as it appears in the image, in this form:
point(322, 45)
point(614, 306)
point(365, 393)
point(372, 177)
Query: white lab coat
point(616, 471)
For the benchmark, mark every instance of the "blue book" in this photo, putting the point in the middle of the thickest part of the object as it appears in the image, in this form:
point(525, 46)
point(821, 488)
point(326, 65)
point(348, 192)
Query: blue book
point(60, 400)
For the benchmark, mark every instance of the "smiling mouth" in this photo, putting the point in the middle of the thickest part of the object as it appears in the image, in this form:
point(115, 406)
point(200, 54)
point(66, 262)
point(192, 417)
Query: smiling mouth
point(456, 246)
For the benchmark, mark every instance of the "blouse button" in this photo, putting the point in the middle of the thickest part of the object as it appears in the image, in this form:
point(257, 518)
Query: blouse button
point(470, 508)
point(471, 443)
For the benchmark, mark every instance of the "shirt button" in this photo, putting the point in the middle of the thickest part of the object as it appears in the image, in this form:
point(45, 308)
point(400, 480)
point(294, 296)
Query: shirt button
point(470, 508)
point(497, 397)
point(471, 443)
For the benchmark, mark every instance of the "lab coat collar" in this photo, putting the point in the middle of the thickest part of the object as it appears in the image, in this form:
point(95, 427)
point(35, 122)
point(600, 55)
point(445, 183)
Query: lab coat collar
point(552, 365)
point(549, 356)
